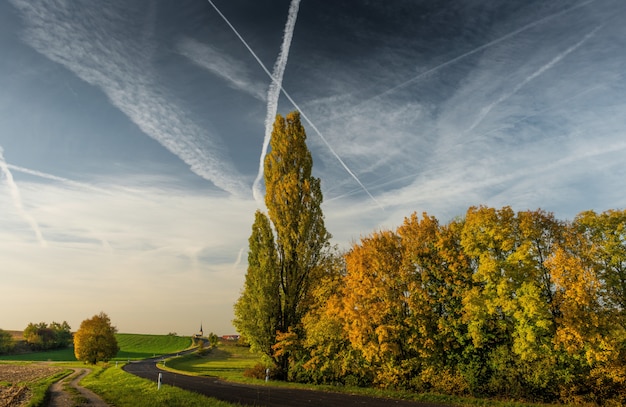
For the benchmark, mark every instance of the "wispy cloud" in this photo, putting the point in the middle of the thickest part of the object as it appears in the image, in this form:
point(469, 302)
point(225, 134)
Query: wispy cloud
point(17, 200)
point(234, 72)
point(97, 47)
point(485, 110)
point(132, 233)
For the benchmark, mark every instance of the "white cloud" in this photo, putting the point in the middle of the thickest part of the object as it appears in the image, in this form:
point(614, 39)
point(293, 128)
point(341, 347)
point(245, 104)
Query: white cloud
point(131, 251)
point(234, 72)
point(94, 43)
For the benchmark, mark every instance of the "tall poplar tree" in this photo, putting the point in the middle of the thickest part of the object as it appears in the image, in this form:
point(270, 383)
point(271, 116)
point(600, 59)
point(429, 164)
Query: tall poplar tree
point(283, 260)
point(257, 310)
point(293, 198)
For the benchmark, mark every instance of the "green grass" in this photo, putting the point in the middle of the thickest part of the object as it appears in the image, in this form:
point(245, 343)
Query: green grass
point(140, 346)
point(226, 362)
point(57, 355)
point(120, 389)
point(132, 347)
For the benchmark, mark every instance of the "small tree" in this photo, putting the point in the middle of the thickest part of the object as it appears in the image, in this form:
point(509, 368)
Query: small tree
point(6, 341)
point(95, 340)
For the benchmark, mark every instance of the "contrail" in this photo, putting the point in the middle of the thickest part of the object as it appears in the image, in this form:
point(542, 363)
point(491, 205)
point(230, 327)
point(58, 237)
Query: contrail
point(273, 94)
point(17, 200)
point(55, 178)
point(485, 111)
point(304, 116)
point(475, 50)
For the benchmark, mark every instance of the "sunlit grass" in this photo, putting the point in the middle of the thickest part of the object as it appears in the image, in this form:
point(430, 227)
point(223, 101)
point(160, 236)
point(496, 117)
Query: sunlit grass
point(139, 346)
point(121, 389)
point(57, 355)
point(226, 362)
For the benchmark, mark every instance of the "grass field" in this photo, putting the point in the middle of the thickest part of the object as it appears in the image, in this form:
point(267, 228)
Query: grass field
point(122, 389)
point(132, 347)
point(138, 346)
point(225, 361)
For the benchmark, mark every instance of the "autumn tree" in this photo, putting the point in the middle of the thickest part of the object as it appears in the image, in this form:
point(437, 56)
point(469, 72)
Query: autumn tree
point(329, 355)
point(293, 198)
point(95, 340)
point(257, 311)
point(589, 276)
point(511, 310)
point(439, 275)
point(376, 307)
point(285, 251)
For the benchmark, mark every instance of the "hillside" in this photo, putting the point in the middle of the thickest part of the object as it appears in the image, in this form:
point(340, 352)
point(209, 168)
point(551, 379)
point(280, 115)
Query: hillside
point(132, 347)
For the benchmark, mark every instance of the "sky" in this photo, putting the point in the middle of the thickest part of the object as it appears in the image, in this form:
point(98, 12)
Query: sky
point(131, 134)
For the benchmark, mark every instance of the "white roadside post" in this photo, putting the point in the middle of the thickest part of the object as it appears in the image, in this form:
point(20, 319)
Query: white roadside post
point(159, 382)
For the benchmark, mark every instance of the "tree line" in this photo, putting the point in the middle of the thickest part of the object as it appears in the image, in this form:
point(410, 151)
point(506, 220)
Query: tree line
point(93, 342)
point(39, 336)
point(496, 303)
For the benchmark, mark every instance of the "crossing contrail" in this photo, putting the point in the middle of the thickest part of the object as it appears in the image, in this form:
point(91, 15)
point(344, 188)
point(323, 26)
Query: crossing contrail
point(273, 93)
point(487, 109)
point(304, 116)
point(478, 49)
point(17, 200)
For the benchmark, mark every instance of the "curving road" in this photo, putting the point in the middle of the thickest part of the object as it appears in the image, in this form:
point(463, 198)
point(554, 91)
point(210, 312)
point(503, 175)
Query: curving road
point(260, 395)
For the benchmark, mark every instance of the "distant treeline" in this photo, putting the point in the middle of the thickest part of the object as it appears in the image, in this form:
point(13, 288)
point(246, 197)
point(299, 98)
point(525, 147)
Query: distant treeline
point(497, 304)
point(39, 336)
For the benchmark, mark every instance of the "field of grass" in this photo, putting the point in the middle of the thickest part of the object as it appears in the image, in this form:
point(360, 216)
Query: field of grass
point(57, 355)
point(226, 361)
point(132, 347)
point(121, 389)
point(139, 346)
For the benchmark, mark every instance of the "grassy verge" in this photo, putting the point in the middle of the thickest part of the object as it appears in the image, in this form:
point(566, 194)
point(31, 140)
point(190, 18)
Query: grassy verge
point(228, 362)
point(121, 389)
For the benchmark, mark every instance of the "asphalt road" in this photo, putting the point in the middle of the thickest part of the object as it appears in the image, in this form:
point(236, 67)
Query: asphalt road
point(260, 395)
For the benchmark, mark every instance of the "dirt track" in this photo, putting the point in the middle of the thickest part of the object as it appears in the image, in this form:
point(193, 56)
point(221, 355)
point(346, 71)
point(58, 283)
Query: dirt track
point(61, 398)
point(260, 395)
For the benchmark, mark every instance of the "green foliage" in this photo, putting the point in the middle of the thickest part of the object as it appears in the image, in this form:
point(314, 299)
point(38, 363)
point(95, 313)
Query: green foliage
point(281, 267)
point(6, 341)
point(213, 340)
point(42, 336)
point(499, 304)
point(257, 311)
point(95, 340)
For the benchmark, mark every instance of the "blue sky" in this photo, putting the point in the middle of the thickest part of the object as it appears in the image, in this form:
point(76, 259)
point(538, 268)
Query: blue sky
point(131, 134)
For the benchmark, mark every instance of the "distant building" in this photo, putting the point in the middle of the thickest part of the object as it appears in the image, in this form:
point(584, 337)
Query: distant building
point(230, 337)
point(199, 334)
